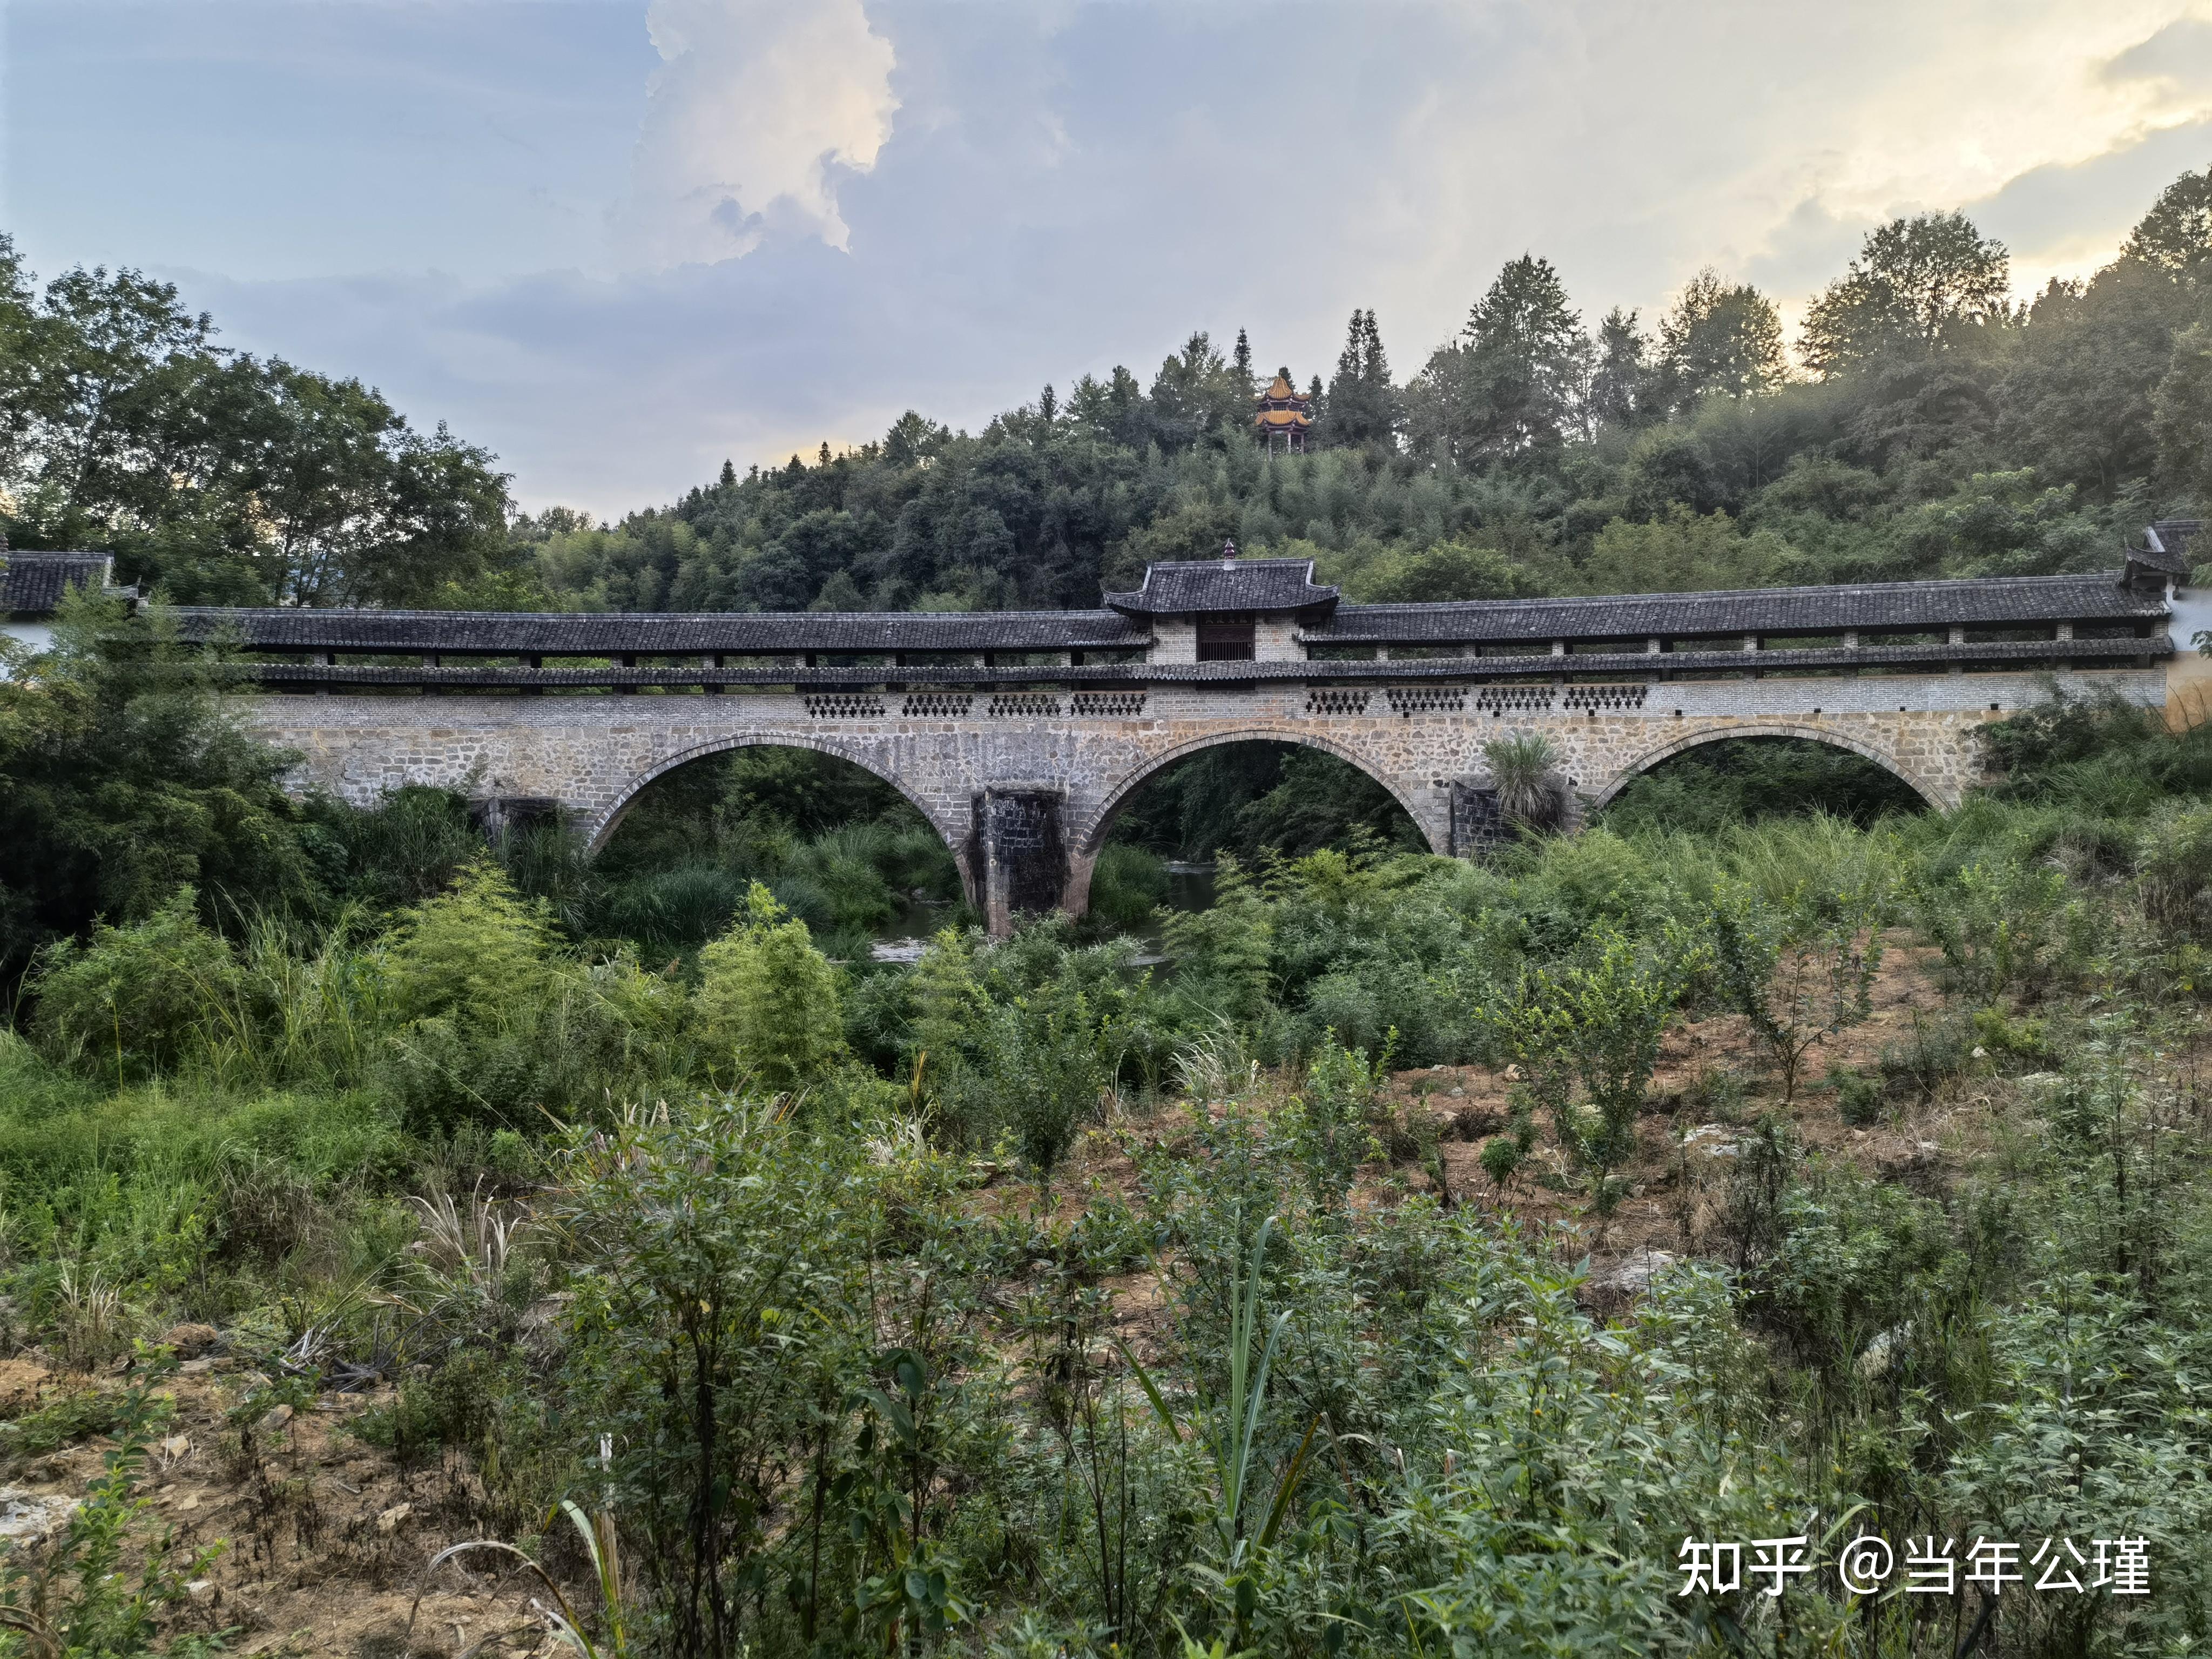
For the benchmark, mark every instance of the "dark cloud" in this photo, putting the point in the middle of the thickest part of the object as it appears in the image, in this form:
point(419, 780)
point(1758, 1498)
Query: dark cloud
point(2097, 201)
point(2181, 51)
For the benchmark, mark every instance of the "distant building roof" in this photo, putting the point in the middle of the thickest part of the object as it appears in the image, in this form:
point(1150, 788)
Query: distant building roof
point(1282, 408)
point(1202, 584)
point(32, 584)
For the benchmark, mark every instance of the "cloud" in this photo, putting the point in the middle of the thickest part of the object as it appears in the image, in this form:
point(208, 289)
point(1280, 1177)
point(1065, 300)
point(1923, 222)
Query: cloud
point(2180, 52)
point(755, 111)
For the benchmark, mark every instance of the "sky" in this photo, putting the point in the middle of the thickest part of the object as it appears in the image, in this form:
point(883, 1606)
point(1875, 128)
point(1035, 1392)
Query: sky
point(616, 242)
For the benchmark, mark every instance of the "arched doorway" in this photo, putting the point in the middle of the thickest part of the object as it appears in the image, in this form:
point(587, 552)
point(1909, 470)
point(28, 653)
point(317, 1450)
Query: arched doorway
point(1709, 782)
point(843, 849)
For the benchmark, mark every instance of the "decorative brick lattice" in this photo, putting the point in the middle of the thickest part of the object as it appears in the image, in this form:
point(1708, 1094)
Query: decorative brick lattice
point(1338, 701)
point(938, 704)
point(1514, 699)
point(1580, 697)
point(1427, 699)
point(1023, 705)
point(844, 705)
point(1110, 704)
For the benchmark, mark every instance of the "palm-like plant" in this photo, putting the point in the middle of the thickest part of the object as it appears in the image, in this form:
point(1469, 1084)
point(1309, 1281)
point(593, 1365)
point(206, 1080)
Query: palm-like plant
point(1525, 772)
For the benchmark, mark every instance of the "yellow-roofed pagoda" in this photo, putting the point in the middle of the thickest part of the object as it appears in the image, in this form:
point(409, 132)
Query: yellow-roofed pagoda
point(1284, 414)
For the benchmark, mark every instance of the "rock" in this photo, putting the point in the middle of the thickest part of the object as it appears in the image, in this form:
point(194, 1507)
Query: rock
point(175, 1447)
point(1459, 1090)
point(191, 1341)
point(1633, 1276)
point(200, 1590)
point(388, 1520)
point(33, 1518)
point(273, 1419)
point(191, 1500)
point(1875, 1357)
point(1714, 1139)
point(196, 1367)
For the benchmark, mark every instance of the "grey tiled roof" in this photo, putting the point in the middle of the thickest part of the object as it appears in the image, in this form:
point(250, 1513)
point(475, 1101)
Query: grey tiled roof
point(2024, 655)
point(33, 583)
point(1259, 584)
point(1992, 601)
point(2165, 546)
point(1180, 589)
point(575, 633)
point(2173, 535)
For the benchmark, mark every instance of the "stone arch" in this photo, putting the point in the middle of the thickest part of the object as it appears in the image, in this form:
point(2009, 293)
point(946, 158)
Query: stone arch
point(1091, 836)
point(1932, 794)
point(603, 826)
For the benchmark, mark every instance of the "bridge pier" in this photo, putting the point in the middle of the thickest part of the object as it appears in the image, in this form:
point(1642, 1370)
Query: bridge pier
point(1019, 855)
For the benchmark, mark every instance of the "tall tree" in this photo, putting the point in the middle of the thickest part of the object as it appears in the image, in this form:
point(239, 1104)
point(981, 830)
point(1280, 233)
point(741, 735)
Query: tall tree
point(1362, 406)
point(1512, 387)
point(1197, 396)
point(1621, 391)
point(2175, 236)
point(221, 476)
point(1720, 338)
point(1916, 284)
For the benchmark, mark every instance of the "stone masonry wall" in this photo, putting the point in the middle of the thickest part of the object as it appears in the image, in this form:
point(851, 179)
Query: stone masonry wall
point(592, 754)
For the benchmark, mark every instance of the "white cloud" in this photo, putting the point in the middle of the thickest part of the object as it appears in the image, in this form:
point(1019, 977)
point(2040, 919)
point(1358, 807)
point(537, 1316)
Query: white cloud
point(756, 108)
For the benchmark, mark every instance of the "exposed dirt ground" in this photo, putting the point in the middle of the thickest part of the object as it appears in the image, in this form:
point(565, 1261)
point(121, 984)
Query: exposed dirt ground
point(326, 1538)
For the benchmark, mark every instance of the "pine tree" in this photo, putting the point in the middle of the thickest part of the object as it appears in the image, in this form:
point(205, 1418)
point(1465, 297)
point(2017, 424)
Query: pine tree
point(1620, 386)
point(1047, 403)
point(729, 473)
point(1243, 359)
point(1513, 386)
point(1362, 406)
point(1375, 367)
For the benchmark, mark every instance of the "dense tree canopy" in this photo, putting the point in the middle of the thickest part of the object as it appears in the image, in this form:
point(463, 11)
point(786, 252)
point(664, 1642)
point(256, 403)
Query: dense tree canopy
point(219, 476)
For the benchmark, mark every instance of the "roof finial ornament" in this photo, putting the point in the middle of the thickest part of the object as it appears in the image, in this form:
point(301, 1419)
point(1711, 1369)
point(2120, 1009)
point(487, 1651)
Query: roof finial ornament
point(1227, 554)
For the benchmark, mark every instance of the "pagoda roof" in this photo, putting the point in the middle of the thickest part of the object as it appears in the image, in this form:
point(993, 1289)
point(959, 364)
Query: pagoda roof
point(1283, 418)
point(1188, 588)
point(1280, 387)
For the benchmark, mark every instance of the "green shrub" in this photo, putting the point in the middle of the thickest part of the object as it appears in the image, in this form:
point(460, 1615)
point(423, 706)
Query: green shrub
point(473, 952)
point(2174, 860)
point(1127, 884)
point(768, 998)
point(1858, 1096)
point(138, 999)
point(1332, 1139)
point(1801, 971)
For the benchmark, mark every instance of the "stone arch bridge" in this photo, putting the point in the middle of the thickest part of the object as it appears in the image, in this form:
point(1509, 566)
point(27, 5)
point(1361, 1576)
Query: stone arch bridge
point(1020, 735)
